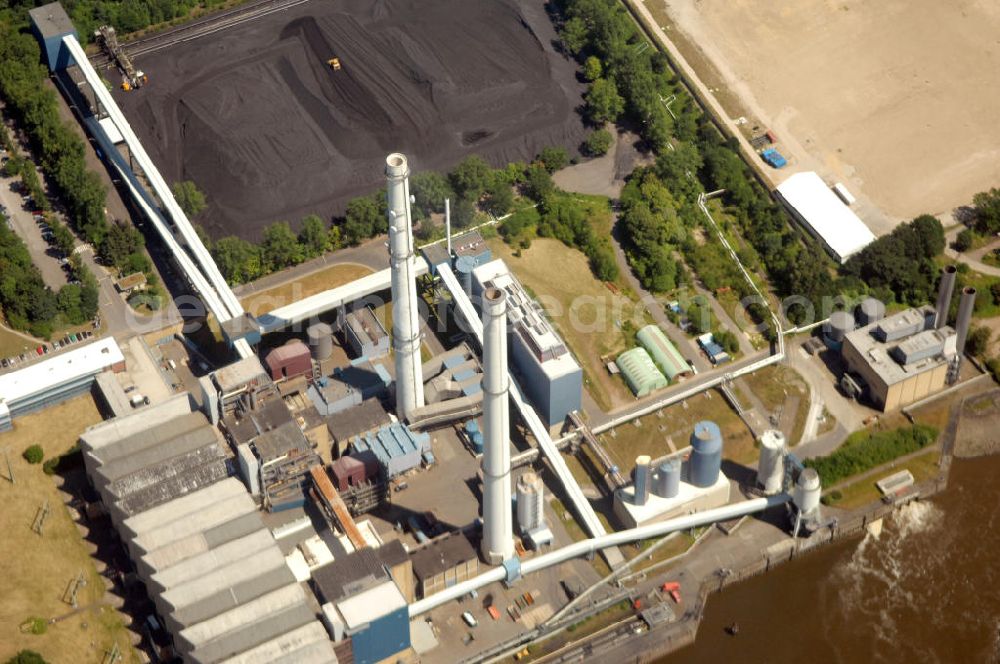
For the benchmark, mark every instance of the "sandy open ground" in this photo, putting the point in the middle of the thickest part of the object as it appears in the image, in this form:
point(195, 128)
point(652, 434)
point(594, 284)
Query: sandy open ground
point(259, 120)
point(898, 99)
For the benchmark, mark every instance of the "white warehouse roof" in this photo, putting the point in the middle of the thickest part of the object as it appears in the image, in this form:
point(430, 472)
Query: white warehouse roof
point(825, 215)
point(63, 368)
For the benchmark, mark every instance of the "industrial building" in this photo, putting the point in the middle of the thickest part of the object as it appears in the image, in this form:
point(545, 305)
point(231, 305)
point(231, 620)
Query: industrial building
point(364, 418)
point(215, 573)
point(549, 375)
point(365, 334)
point(348, 387)
point(396, 448)
point(470, 246)
point(661, 494)
point(640, 372)
point(824, 215)
point(234, 387)
point(56, 379)
point(665, 355)
point(363, 605)
point(443, 562)
point(907, 356)
point(289, 361)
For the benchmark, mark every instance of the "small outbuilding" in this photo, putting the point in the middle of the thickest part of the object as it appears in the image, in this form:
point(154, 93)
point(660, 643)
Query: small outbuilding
point(288, 361)
point(640, 372)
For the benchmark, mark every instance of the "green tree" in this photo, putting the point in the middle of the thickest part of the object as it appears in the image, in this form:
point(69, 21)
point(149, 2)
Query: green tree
point(363, 220)
point(239, 261)
point(553, 158)
point(574, 35)
point(987, 208)
point(70, 299)
point(598, 142)
point(122, 240)
point(34, 454)
point(499, 197)
point(281, 248)
point(27, 657)
point(314, 236)
point(964, 240)
point(539, 183)
point(430, 189)
point(592, 68)
point(190, 199)
point(604, 104)
point(995, 292)
point(978, 341)
point(89, 295)
point(471, 177)
point(463, 213)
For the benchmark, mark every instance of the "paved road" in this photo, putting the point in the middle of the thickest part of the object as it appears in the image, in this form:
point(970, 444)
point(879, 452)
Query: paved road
point(972, 258)
point(727, 321)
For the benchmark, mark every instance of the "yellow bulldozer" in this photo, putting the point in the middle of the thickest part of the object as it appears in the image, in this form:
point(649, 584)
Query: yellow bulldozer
point(334, 63)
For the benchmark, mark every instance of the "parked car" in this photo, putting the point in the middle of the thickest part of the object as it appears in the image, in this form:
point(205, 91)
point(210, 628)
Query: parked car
point(469, 619)
point(4, 363)
point(40, 350)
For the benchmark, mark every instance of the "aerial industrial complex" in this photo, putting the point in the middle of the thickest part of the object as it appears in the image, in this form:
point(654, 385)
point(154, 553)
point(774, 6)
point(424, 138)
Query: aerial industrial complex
point(335, 481)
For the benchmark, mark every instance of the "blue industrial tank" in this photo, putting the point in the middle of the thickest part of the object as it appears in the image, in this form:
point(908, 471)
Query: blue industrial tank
point(668, 479)
point(706, 454)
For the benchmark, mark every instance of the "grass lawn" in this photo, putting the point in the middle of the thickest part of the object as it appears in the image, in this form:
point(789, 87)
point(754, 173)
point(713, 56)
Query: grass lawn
point(586, 313)
point(923, 466)
point(37, 569)
point(296, 289)
point(13, 344)
point(650, 435)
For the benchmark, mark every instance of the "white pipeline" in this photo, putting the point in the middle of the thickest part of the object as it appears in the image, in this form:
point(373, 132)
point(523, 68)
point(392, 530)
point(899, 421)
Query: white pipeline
point(589, 546)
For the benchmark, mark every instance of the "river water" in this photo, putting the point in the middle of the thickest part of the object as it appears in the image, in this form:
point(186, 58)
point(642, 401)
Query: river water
point(926, 590)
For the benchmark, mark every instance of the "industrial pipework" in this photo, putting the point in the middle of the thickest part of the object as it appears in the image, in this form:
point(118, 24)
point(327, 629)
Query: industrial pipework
point(589, 546)
point(498, 522)
point(405, 314)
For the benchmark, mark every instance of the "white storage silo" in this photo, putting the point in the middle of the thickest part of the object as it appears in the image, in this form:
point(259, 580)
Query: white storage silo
point(641, 481)
point(771, 467)
point(530, 502)
point(807, 492)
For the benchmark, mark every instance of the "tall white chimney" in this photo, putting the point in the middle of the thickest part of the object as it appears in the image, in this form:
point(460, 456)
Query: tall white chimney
point(405, 314)
point(498, 522)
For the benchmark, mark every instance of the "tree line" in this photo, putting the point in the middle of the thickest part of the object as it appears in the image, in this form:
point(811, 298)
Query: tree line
point(865, 450)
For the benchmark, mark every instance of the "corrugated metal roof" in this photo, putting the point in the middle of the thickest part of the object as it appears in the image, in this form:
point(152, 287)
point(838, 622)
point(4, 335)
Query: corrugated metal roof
point(252, 634)
point(179, 485)
point(640, 372)
point(664, 353)
point(395, 440)
point(366, 416)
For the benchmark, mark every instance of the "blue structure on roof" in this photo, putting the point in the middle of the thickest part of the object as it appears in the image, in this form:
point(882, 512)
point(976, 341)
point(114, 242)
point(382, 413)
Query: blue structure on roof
point(395, 447)
point(716, 353)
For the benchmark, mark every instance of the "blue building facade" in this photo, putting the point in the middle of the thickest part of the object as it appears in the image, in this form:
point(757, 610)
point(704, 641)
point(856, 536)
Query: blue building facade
point(50, 23)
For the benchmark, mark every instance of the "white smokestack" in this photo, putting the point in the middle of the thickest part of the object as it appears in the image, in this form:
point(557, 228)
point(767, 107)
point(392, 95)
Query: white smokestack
point(498, 525)
point(405, 314)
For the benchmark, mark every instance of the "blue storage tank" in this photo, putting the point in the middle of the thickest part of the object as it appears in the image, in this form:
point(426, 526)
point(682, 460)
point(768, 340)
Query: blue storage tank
point(706, 454)
point(668, 479)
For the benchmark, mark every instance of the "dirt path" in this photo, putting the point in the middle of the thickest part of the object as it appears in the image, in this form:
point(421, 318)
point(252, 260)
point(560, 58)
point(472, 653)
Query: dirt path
point(971, 258)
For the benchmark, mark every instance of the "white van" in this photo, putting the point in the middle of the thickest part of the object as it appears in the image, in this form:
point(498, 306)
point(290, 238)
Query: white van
point(469, 619)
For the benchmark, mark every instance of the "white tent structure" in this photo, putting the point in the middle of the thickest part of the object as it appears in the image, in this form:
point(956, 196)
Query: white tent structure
point(825, 215)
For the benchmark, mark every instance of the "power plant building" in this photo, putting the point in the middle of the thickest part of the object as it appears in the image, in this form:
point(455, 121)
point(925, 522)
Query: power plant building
point(365, 334)
point(901, 358)
point(548, 374)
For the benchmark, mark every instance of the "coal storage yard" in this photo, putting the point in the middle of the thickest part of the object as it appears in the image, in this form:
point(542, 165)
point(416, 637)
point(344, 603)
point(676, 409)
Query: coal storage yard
point(261, 120)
